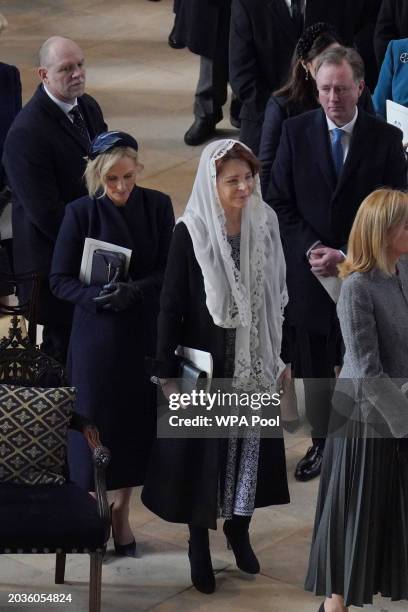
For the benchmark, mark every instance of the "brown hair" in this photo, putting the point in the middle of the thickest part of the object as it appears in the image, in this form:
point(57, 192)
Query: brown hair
point(242, 154)
point(302, 92)
point(380, 214)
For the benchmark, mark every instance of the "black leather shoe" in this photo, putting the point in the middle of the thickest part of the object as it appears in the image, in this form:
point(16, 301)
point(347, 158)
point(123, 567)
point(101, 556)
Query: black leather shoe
point(310, 466)
point(202, 573)
point(125, 550)
point(238, 538)
point(202, 130)
point(173, 42)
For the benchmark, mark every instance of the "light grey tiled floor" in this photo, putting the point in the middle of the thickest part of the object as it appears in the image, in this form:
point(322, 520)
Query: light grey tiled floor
point(147, 88)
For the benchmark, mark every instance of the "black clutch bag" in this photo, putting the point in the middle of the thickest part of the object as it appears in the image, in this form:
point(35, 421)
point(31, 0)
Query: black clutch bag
point(190, 377)
point(107, 267)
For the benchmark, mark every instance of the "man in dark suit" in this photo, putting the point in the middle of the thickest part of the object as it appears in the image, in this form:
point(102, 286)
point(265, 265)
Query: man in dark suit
point(44, 159)
point(203, 27)
point(392, 23)
point(327, 162)
point(263, 37)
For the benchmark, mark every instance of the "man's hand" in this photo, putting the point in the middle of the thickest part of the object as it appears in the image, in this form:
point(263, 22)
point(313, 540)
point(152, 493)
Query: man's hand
point(323, 260)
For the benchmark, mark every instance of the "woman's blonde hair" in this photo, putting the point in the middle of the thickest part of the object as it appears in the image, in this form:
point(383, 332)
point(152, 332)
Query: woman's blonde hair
point(380, 213)
point(97, 169)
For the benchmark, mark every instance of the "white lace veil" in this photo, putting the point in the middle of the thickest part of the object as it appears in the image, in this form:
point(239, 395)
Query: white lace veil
point(251, 299)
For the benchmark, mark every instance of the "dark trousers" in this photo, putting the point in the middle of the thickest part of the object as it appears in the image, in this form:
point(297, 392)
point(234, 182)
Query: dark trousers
point(250, 134)
point(319, 383)
point(55, 341)
point(212, 87)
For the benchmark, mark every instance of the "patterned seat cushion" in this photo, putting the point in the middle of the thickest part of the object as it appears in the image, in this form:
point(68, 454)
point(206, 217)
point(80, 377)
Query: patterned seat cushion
point(33, 433)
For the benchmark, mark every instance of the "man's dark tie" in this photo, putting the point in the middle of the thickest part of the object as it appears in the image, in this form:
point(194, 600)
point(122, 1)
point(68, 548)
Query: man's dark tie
point(79, 122)
point(297, 16)
point(337, 149)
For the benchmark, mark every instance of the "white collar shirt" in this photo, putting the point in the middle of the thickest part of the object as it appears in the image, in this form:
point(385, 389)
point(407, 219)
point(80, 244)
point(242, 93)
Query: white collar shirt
point(66, 107)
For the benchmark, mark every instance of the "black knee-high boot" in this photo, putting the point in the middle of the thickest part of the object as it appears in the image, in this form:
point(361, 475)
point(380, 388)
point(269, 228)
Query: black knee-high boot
point(202, 574)
point(237, 534)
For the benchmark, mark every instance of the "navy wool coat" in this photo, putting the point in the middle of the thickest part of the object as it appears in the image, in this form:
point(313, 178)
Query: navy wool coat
point(10, 105)
point(44, 160)
point(106, 357)
point(314, 205)
point(182, 481)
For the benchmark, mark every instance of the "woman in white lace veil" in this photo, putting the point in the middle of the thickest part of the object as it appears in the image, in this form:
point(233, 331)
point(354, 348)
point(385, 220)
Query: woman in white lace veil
point(224, 292)
point(250, 299)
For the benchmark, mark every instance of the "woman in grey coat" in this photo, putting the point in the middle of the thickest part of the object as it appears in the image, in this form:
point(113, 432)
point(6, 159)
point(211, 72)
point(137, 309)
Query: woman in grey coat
point(360, 540)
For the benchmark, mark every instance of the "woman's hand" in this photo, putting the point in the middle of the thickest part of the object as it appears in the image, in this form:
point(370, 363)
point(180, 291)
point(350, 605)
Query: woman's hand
point(118, 296)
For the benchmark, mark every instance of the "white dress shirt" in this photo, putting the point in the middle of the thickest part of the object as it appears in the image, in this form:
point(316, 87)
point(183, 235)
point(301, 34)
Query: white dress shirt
point(64, 106)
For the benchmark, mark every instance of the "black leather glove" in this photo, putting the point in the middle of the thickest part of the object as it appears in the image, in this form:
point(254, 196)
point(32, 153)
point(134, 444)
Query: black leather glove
point(118, 296)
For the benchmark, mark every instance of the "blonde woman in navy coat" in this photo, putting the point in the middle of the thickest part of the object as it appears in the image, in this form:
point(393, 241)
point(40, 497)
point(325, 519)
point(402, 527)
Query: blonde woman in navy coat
point(113, 332)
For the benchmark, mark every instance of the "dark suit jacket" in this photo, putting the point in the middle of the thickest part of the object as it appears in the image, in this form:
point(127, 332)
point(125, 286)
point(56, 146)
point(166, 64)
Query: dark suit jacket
point(202, 24)
point(313, 206)
point(392, 23)
point(263, 38)
point(277, 110)
point(44, 160)
point(10, 104)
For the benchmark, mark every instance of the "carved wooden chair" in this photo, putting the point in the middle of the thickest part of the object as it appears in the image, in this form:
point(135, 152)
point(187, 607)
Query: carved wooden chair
point(38, 516)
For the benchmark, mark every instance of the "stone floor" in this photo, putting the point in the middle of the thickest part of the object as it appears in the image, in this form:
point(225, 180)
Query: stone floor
point(146, 88)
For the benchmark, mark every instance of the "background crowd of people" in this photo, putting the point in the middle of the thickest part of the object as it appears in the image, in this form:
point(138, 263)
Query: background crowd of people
point(256, 246)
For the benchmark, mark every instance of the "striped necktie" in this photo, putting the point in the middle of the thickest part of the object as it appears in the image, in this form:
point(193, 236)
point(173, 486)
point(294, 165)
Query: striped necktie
point(79, 122)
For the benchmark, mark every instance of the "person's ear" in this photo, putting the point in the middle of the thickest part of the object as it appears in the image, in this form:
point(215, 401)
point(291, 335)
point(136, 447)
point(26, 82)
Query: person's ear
point(42, 73)
point(361, 86)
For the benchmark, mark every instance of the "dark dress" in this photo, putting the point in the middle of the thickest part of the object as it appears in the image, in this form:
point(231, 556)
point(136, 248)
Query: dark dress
point(106, 359)
point(183, 480)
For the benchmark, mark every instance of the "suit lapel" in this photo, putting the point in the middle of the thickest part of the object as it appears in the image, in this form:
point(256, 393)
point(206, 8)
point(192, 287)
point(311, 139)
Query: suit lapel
point(281, 13)
point(320, 149)
point(58, 115)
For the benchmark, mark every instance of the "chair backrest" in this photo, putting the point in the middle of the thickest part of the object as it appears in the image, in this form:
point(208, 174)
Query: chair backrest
point(27, 309)
point(23, 364)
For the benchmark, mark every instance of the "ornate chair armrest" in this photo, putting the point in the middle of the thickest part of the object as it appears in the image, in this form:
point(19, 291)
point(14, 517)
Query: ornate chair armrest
point(101, 458)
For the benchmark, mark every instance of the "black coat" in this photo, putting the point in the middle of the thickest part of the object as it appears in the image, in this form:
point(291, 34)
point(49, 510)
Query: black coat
point(44, 160)
point(107, 349)
point(182, 480)
point(277, 111)
point(10, 105)
point(392, 23)
point(263, 39)
point(201, 24)
point(312, 206)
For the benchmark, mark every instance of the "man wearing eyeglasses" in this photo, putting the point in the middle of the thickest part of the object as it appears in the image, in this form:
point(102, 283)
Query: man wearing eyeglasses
point(44, 159)
point(327, 162)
